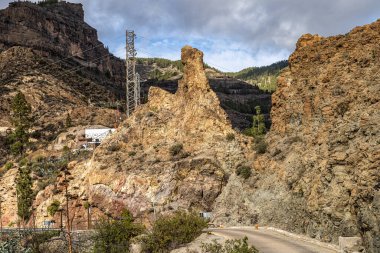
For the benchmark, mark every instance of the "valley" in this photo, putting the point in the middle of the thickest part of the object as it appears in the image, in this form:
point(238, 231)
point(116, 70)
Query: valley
point(293, 145)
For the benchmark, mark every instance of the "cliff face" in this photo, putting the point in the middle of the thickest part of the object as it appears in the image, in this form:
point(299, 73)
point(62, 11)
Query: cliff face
point(55, 59)
point(57, 31)
point(172, 152)
point(322, 174)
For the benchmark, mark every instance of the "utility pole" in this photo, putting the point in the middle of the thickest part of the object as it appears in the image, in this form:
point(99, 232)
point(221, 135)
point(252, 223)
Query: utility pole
point(1, 216)
point(66, 185)
point(132, 79)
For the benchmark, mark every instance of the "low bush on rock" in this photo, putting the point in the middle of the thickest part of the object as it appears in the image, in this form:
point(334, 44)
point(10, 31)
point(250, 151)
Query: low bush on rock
point(244, 171)
point(170, 232)
point(114, 236)
point(230, 137)
point(231, 246)
point(113, 147)
point(176, 149)
point(260, 146)
point(53, 207)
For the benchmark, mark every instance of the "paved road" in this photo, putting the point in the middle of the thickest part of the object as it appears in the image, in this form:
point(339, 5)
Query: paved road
point(268, 241)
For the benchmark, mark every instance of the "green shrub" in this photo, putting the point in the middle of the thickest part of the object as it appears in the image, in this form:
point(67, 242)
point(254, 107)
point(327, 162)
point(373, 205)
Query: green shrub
point(342, 108)
point(176, 149)
point(17, 148)
point(169, 232)
point(244, 171)
point(260, 146)
point(230, 137)
point(231, 246)
point(113, 236)
point(54, 207)
point(8, 166)
point(12, 244)
point(132, 153)
point(86, 205)
point(36, 239)
point(113, 147)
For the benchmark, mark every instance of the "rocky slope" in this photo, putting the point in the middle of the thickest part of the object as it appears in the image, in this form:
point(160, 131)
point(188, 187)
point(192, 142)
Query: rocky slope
point(55, 59)
point(321, 175)
point(172, 153)
point(58, 31)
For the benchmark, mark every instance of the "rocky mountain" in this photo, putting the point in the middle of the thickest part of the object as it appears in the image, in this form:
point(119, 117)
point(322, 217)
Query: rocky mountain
point(55, 59)
point(318, 174)
point(57, 30)
point(175, 152)
point(62, 52)
point(321, 174)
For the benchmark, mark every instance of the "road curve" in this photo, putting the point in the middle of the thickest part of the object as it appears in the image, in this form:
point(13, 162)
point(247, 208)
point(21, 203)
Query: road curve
point(268, 241)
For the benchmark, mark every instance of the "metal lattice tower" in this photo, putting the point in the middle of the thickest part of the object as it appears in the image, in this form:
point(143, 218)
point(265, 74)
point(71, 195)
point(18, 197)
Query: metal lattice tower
point(132, 78)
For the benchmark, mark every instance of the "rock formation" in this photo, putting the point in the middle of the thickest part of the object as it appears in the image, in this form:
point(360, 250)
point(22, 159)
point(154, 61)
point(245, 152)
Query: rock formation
point(172, 153)
point(55, 59)
point(322, 172)
point(320, 175)
point(58, 31)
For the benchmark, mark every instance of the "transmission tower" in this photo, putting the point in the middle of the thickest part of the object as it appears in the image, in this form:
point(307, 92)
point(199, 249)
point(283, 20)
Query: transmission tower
point(132, 78)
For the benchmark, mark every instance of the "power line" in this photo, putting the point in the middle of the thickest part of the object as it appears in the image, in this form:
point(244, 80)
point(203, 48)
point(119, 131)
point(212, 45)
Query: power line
point(75, 54)
point(172, 48)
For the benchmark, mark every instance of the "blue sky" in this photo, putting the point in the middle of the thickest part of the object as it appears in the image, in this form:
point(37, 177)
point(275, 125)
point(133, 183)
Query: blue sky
point(234, 34)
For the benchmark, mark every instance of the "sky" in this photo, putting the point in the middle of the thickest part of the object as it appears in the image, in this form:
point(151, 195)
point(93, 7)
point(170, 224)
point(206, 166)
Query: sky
point(233, 34)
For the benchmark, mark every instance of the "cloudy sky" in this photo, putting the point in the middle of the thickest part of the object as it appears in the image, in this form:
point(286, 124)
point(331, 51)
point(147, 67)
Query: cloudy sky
point(233, 34)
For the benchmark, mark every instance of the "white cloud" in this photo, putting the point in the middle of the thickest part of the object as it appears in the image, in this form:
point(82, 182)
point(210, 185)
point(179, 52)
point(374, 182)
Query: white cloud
point(257, 31)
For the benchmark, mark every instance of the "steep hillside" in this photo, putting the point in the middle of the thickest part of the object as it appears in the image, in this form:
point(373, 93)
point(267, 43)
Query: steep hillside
point(321, 175)
point(173, 153)
point(54, 58)
point(57, 31)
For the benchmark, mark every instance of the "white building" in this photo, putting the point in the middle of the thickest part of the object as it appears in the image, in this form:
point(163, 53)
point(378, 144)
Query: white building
point(96, 136)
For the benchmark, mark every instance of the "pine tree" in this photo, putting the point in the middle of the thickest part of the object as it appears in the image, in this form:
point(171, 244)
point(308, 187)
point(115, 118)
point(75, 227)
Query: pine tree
point(21, 121)
point(258, 127)
point(24, 192)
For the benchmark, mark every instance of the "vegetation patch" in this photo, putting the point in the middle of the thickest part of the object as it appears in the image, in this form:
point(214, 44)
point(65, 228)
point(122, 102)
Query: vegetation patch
point(132, 153)
point(53, 207)
point(47, 2)
point(258, 126)
point(176, 149)
point(231, 246)
point(6, 167)
point(115, 235)
point(260, 146)
point(170, 232)
point(113, 147)
point(230, 137)
point(244, 171)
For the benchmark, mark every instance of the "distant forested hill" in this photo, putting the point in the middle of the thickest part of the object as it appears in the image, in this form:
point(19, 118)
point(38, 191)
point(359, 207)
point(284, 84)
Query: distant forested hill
point(264, 77)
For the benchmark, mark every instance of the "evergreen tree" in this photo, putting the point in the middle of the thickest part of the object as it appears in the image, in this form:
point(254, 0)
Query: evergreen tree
point(258, 127)
point(24, 192)
point(21, 121)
